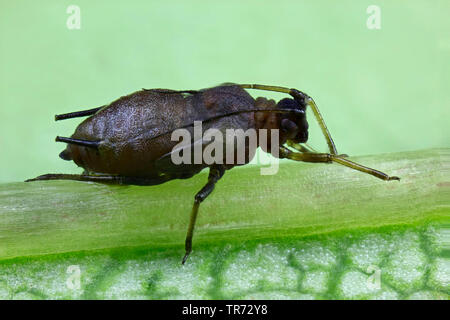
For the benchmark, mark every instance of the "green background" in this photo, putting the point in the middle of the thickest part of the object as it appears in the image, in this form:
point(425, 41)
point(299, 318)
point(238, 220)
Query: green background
point(379, 90)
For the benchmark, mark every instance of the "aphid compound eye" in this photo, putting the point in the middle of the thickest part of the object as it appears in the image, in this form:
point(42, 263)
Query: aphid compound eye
point(302, 135)
point(299, 119)
point(288, 103)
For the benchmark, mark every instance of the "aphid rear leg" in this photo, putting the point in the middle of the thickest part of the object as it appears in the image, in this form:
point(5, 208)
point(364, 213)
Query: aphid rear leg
point(328, 158)
point(78, 177)
point(106, 179)
point(215, 173)
point(299, 147)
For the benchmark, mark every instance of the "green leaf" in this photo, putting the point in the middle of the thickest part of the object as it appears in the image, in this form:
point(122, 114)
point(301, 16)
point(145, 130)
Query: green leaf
point(311, 231)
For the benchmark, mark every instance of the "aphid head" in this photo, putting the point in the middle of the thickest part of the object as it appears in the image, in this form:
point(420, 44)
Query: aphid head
point(294, 124)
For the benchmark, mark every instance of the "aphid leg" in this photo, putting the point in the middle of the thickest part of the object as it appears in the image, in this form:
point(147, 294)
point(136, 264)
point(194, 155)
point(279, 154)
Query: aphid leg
point(106, 179)
point(299, 147)
point(300, 96)
point(328, 158)
point(76, 114)
point(321, 122)
point(84, 143)
point(306, 148)
point(215, 173)
point(77, 177)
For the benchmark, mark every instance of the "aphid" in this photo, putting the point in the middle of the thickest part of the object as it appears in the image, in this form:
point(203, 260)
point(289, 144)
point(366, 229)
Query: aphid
point(128, 142)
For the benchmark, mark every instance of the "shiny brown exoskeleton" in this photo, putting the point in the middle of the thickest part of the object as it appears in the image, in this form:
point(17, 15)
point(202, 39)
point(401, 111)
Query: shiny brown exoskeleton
point(128, 142)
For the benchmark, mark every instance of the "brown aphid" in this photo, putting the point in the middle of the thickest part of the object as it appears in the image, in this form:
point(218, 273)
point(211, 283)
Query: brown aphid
point(128, 142)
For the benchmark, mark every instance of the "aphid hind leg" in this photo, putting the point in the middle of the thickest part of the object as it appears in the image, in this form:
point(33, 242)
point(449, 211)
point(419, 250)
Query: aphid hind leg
point(76, 177)
point(328, 158)
point(105, 179)
point(215, 173)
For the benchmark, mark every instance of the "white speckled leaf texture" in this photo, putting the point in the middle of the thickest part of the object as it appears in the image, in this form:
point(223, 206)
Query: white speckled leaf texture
point(407, 263)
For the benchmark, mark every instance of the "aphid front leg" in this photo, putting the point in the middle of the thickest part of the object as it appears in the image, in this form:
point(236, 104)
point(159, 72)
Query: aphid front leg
point(299, 147)
point(215, 173)
point(306, 148)
point(328, 158)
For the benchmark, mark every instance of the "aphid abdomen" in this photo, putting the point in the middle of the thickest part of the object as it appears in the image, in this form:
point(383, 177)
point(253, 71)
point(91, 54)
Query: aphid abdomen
point(134, 131)
point(123, 129)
